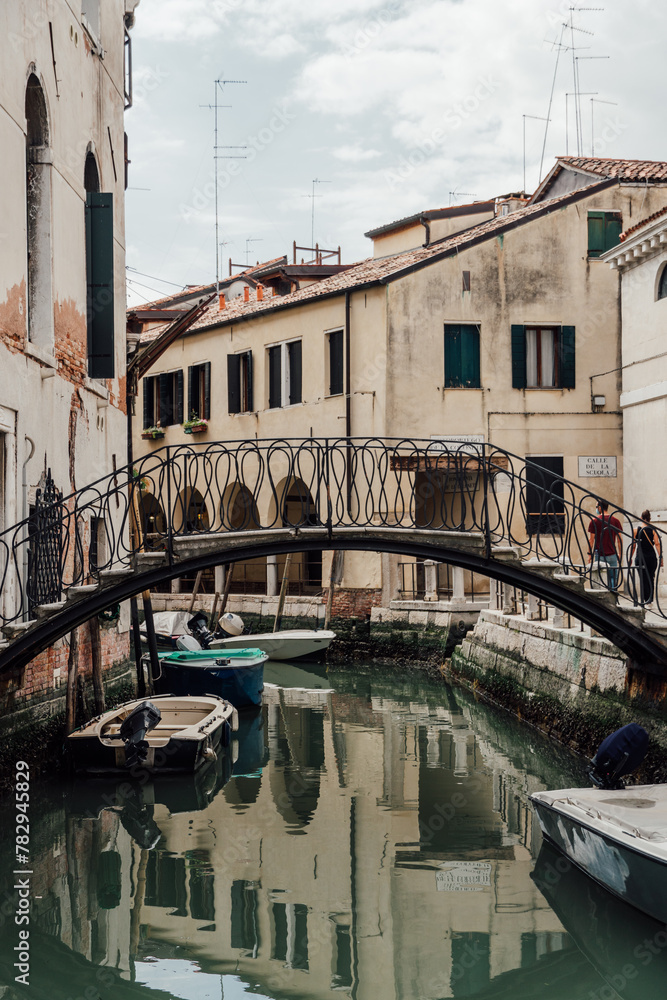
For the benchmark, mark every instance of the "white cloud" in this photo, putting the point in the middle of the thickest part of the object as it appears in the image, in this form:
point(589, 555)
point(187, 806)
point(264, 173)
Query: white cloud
point(355, 154)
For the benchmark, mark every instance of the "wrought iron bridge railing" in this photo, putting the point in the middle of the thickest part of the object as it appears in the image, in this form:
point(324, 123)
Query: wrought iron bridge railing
point(329, 483)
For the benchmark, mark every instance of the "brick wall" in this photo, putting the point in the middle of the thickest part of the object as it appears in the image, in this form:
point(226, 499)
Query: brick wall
point(355, 603)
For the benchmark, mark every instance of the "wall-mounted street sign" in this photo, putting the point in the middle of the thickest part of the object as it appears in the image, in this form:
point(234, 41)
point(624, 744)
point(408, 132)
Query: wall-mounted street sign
point(597, 465)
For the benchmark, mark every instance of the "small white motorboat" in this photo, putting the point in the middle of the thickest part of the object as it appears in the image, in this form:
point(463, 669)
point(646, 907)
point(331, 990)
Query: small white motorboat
point(616, 834)
point(161, 735)
point(289, 644)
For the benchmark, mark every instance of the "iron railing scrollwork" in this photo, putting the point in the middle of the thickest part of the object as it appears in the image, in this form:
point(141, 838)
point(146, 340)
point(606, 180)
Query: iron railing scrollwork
point(218, 487)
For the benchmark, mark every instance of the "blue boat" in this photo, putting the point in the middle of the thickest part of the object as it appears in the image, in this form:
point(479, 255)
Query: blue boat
point(236, 675)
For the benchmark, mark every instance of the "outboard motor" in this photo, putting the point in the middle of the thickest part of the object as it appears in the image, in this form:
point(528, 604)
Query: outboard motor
point(198, 626)
point(229, 626)
point(133, 731)
point(188, 642)
point(618, 755)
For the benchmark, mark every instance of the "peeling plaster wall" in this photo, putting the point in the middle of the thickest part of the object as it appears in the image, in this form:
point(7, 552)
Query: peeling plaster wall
point(77, 425)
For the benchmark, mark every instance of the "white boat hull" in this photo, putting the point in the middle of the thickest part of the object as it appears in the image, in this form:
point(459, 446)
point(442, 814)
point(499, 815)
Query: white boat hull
point(594, 828)
point(291, 644)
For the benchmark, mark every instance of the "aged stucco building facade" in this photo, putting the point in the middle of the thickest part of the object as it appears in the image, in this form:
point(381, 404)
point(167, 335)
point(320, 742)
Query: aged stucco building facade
point(63, 91)
point(506, 330)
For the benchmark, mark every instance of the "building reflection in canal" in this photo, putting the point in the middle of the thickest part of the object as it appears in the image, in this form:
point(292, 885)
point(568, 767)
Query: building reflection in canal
point(366, 840)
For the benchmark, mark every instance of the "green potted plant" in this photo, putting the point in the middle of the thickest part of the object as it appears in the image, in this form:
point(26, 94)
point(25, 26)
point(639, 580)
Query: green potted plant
point(195, 425)
point(152, 433)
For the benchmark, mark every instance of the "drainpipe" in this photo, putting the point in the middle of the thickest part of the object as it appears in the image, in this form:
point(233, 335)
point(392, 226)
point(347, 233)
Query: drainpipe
point(24, 518)
point(348, 403)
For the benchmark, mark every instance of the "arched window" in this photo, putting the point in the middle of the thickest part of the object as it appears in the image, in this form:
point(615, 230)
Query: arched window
point(38, 217)
point(662, 284)
point(91, 177)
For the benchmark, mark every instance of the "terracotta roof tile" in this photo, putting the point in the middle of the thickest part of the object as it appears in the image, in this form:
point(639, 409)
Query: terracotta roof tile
point(377, 269)
point(643, 222)
point(625, 170)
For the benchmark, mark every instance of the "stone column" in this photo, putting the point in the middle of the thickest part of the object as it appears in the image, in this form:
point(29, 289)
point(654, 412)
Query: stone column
point(458, 584)
point(176, 585)
point(533, 608)
point(430, 580)
point(508, 599)
point(219, 577)
point(272, 576)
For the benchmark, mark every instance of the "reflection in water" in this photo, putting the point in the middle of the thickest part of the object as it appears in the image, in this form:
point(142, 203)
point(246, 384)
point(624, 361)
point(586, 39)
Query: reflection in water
point(628, 948)
point(411, 876)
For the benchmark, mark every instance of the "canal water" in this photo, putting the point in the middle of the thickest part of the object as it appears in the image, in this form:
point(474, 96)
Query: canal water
point(369, 836)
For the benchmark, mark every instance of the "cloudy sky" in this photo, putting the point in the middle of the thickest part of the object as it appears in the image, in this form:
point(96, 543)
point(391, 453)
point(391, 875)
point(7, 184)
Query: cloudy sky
point(392, 105)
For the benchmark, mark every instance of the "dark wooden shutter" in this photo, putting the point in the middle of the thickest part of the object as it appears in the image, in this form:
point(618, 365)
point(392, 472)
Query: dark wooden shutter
point(567, 357)
point(596, 239)
point(295, 372)
point(275, 378)
point(100, 285)
point(234, 383)
point(207, 390)
point(518, 357)
point(613, 225)
point(336, 363)
point(165, 398)
point(452, 355)
point(470, 357)
point(149, 401)
point(249, 392)
point(178, 415)
point(544, 495)
point(193, 391)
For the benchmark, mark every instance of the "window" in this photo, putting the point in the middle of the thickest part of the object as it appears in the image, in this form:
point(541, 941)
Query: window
point(38, 218)
point(662, 285)
point(545, 510)
point(336, 383)
point(543, 357)
point(199, 391)
point(461, 356)
point(163, 399)
point(285, 383)
point(604, 230)
point(99, 274)
point(239, 383)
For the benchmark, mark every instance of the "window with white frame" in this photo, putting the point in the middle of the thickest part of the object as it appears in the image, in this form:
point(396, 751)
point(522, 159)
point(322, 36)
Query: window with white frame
point(284, 371)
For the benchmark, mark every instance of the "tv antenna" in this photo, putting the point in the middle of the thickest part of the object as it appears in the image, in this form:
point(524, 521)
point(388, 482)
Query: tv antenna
point(313, 196)
point(582, 93)
point(459, 194)
point(258, 239)
point(575, 70)
point(537, 118)
point(219, 84)
point(597, 101)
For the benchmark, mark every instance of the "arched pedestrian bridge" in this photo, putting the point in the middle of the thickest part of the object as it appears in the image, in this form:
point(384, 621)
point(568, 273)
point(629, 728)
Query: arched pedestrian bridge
point(189, 507)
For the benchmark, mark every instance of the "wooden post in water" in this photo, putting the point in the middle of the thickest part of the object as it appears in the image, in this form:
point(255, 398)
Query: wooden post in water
point(327, 613)
point(195, 591)
point(229, 572)
point(283, 593)
point(96, 655)
point(72, 670)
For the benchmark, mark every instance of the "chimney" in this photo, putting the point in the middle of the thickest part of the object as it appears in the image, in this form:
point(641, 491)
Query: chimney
point(246, 294)
point(221, 301)
point(260, 293)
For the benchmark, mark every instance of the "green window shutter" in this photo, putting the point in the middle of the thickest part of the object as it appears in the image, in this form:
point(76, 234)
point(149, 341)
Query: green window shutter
point(178, 415)
point(275, 377)
point(452, 356)
point(193, 391)
point(100, 285)
point(234, 383)
point(596, 233)
point(294, 351)
point(249, 391)
point(149, 401)
point(518, 357)
point(612, 230)
point(567, 357)
point(207, 390)
point(470, 357)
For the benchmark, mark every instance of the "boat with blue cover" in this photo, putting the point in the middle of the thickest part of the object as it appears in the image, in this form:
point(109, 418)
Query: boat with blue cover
point(236, 675)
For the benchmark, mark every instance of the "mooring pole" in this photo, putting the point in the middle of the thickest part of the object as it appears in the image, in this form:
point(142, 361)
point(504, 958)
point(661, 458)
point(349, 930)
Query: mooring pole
point(283, 593)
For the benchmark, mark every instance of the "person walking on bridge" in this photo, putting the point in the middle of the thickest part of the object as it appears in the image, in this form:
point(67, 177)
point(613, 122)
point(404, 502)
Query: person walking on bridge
point(647, 543)
point(604, 542)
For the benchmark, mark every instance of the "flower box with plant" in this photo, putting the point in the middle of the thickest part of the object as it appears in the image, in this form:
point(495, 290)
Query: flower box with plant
point(195, 425)
point(154, 433)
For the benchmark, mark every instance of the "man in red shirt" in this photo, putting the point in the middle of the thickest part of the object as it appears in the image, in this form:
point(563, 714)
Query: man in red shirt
point(604, 542)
